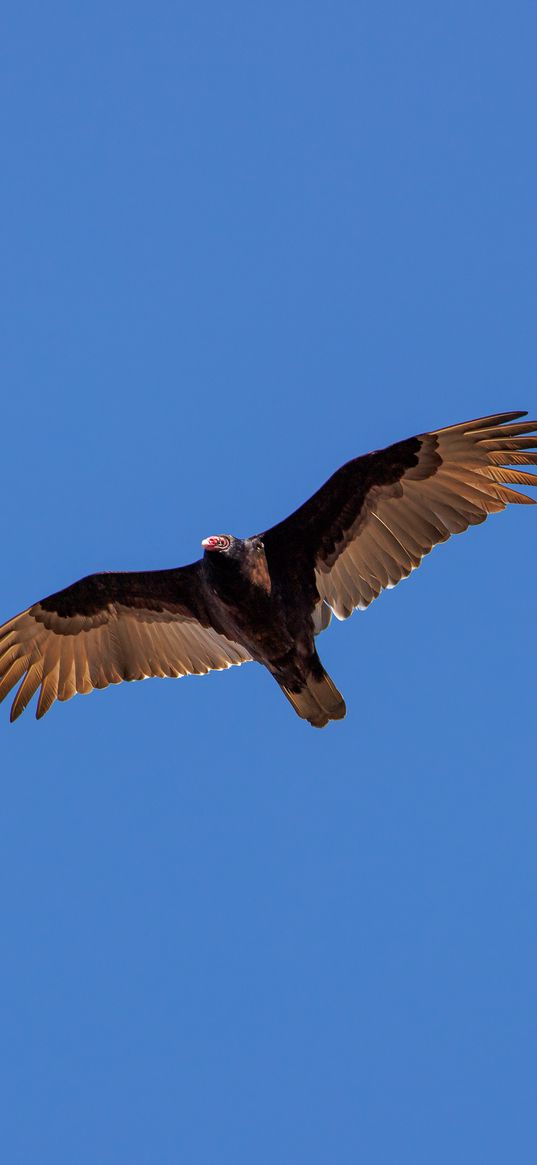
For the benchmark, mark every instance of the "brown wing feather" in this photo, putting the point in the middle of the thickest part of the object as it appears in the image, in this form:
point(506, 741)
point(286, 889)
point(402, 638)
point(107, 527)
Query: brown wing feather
point(109, 628)
point(377, 516)
point(460, 478)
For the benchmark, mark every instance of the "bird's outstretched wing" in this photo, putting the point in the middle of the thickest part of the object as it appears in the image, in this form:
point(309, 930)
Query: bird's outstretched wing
point(376, 517)
point(107, 628)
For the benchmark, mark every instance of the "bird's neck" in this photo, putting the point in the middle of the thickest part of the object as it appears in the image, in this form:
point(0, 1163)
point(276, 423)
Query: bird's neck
point(236, 577)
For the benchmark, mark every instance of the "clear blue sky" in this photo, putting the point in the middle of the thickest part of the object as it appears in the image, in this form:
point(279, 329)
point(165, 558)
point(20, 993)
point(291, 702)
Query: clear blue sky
point(241, 244)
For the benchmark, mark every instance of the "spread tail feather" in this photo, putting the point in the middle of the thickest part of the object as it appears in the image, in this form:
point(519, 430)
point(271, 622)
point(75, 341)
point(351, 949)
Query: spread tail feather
point(318, 701)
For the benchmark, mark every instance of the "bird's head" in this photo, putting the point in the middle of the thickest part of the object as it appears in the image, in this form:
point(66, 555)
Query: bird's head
point(245, 551)
point(235, 547)
point(230, 557)
point(222, 542)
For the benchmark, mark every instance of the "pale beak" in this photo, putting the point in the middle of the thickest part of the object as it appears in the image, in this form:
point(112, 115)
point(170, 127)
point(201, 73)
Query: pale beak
point(210, 543)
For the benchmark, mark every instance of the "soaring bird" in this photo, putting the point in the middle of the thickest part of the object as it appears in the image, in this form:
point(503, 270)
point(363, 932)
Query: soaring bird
point(267, 597)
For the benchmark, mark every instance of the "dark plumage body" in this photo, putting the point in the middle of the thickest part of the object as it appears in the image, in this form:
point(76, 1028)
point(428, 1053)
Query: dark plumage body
point(271, 618)
point(266, 598)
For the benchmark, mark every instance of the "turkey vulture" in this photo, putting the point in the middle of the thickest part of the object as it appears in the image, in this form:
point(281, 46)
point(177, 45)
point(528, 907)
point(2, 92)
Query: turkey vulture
point(265, 598)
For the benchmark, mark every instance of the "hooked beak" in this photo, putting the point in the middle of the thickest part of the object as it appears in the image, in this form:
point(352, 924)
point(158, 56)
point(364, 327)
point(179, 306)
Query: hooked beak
point(210, 543)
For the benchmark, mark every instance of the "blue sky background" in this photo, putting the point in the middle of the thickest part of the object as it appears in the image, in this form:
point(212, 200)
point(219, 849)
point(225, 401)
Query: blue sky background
point(241, 244)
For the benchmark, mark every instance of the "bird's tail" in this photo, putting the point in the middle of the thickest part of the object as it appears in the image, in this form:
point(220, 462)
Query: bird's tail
point(318, 700)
